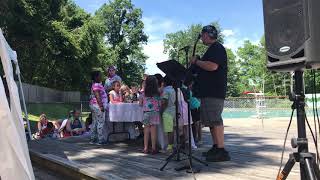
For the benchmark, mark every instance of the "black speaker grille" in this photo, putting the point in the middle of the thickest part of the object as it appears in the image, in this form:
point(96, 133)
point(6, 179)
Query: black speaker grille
point(284, 26)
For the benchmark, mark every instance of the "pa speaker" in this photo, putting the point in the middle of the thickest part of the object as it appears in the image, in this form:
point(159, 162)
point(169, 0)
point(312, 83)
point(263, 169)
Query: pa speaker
point(292, 34)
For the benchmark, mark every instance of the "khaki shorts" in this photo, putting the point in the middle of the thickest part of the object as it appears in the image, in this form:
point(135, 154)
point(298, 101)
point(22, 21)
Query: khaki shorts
point(211, 111)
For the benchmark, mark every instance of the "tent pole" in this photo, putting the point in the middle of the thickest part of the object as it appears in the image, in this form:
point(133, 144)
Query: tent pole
point(23, 100)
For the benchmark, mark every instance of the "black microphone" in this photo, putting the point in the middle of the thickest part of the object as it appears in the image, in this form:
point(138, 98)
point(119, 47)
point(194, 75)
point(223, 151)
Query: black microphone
point(199, 36)
point(185, 48)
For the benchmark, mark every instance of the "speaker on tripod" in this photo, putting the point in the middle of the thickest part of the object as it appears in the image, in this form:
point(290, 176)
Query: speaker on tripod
point(292, 33)
point(292, 36)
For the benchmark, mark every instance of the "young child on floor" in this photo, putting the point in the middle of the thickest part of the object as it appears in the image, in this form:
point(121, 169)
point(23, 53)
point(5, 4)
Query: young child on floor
point(115, 95)
point(42, 123)
point(76, 125)
point(169, 110)
point(150, 101)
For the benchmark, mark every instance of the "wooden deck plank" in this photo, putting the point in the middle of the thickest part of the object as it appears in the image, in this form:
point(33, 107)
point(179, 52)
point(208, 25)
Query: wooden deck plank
point(255, 152)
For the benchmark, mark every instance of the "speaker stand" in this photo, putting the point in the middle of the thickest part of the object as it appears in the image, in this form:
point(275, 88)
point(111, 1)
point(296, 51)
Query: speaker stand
point(308, 167)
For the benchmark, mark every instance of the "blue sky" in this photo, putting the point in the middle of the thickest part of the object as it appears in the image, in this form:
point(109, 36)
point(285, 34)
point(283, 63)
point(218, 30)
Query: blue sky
point(239, 20)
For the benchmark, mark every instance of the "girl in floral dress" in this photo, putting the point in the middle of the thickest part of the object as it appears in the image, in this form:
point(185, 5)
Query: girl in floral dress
point(150, 101)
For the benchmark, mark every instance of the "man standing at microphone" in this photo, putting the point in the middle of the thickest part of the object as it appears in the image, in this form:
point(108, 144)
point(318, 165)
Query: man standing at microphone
point(212, 86)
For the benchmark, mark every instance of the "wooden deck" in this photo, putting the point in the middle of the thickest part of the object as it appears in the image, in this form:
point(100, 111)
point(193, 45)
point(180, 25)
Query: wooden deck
point(255, 153)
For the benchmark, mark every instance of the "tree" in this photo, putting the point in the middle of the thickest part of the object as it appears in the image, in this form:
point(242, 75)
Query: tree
point(233, 85)
point(124, 37)
point(254, 73)
point(25, 26)
point(57, 42)
point(253, 66)
point(312, 81)
point(176, 41)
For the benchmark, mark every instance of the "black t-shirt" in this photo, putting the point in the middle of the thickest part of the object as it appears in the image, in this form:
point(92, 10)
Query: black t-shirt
point(213, 83)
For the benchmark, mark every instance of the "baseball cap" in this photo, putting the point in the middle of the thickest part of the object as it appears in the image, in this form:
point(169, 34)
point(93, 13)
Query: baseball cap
point(211, 30)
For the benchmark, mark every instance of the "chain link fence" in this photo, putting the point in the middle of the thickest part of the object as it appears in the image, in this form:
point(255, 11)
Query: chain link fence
point(257, 107)
point(251, 102)
point(240, 107)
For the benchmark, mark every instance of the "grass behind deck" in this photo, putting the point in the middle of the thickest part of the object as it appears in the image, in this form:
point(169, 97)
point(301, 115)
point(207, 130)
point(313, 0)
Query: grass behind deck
point(54, 111)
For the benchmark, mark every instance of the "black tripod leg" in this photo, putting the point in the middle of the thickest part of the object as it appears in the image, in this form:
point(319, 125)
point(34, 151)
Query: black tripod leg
point(309, 169)
point(192, 169)
point(170, 157)
point(316, 169)
point(195, 158)
point(200, 161)
point(189, 167)
point(287, 168)
point(168, 160)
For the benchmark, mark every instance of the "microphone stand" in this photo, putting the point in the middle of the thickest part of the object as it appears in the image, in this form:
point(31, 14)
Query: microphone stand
point(177, 150)
point(189, 168)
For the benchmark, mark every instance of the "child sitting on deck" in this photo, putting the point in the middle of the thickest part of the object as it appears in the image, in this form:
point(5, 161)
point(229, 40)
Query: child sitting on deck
point(72, 126)
point(76, 125)
point(45, 128)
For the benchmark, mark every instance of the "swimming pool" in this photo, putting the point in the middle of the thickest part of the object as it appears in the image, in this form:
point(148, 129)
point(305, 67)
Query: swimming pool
point(252, 113)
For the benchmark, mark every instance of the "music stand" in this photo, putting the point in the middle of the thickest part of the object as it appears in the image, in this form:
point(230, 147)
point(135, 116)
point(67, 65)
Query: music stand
point(177, 73)
point(173, 69)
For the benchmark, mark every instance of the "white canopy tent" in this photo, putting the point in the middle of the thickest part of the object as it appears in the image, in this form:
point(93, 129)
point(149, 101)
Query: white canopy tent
point(14, 154)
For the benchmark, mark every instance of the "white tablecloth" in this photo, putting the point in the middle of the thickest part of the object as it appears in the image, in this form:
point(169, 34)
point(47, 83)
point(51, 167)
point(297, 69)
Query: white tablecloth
point(131, 112)
point(125, 112)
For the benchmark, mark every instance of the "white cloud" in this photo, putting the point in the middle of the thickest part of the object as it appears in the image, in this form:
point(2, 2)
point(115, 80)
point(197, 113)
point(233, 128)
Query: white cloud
point(156, 28)
point(154, 50)
point(234, 39)
point(256, 41)
point(227, 32)
point(160, 26)
point(233, 43)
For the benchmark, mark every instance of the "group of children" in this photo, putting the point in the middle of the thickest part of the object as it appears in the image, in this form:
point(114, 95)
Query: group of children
point(157, 96)
point(158, 100)
point(122, 93)
point(71, 126)
point(112, 92)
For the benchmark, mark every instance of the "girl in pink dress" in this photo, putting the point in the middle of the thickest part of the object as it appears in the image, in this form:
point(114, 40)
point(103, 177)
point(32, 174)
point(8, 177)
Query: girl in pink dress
point(150, 101)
